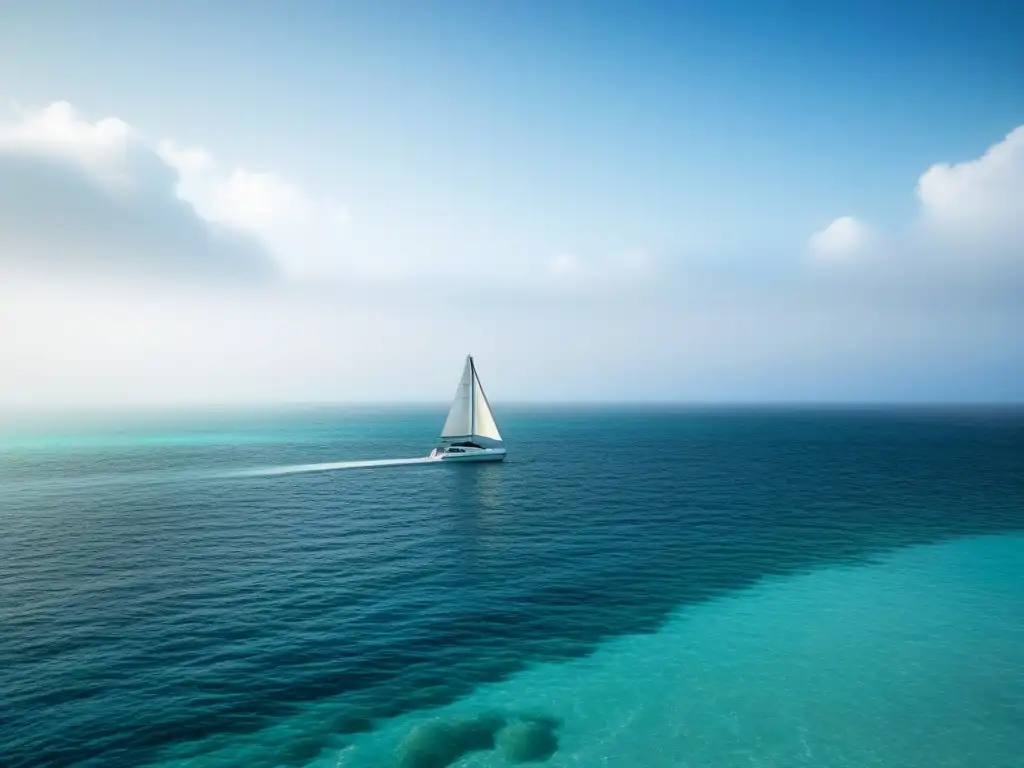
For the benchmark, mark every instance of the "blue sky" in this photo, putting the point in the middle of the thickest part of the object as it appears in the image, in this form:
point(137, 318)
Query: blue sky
point(476, 147)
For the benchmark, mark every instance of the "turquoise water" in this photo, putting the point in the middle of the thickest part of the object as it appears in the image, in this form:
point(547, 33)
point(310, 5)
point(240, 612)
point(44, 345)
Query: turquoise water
point(631, 587)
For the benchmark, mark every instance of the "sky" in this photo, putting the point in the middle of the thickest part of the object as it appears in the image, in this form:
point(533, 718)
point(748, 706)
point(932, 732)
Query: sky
point(262, 202)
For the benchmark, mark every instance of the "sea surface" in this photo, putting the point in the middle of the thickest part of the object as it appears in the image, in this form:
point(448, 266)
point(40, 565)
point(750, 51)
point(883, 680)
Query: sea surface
point(635, 587)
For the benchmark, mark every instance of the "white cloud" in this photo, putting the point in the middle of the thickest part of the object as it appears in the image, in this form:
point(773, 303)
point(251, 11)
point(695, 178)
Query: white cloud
point(103, 149)
point(129, 199)
point(84, 198)
point(980, 196)
point(974, 211)
point(971, 218)
point(306, 234)
point(844, 239)
point(187, 160)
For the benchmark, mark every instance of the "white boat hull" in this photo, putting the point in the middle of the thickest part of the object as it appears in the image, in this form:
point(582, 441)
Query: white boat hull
point(469, 454)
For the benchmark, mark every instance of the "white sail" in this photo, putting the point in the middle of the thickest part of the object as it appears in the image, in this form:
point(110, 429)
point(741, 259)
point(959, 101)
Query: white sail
point(460, 416)
point(470, 414)
point(483, 419)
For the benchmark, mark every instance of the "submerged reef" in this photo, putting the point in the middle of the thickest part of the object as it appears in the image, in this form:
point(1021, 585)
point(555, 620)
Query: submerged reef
point(521, 738)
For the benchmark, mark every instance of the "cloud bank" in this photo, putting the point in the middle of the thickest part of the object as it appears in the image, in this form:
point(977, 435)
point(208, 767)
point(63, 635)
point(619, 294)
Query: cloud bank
point(76, 193)
point(142, 270)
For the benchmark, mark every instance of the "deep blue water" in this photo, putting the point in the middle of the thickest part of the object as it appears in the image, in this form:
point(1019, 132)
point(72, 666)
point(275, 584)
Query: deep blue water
point(157, 607)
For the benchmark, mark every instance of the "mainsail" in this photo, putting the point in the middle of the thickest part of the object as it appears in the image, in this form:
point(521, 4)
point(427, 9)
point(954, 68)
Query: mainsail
point(470, 415)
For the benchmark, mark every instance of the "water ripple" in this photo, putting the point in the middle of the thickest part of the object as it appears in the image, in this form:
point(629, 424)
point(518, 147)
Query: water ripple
point(151, 606)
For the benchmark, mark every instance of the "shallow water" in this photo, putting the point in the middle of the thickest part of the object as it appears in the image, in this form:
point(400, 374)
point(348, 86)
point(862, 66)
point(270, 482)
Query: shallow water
point(787, 587)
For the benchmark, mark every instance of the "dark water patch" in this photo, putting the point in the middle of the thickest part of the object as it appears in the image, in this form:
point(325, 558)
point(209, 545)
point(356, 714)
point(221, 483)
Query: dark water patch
point(528, 740)
point(298, 752)
point(439, 742)
point(137, 619)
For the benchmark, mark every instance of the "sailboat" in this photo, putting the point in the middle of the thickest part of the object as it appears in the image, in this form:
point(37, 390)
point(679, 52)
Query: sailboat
point(470, 432)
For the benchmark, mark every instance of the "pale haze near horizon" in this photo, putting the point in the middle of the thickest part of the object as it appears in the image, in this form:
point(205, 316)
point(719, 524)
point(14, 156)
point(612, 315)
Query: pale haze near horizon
point(337, 205)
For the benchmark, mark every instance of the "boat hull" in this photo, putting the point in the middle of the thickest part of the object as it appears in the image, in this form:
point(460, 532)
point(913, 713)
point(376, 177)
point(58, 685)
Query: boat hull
point(481, 454)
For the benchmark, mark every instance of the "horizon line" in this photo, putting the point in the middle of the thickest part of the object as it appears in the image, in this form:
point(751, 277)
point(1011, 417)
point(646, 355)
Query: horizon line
point(569, 404)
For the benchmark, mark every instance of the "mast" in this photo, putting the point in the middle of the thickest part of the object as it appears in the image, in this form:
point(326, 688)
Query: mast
point(472, 396)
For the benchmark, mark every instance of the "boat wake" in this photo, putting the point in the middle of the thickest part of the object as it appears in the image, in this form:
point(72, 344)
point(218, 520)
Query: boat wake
point(291, 469)
point(150, 478)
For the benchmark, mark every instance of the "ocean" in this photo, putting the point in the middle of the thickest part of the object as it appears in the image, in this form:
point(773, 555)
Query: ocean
point(633, 586)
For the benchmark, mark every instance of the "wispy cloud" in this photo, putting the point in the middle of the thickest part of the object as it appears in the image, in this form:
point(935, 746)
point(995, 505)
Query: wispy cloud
point(567, 273)
point(847, 238)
